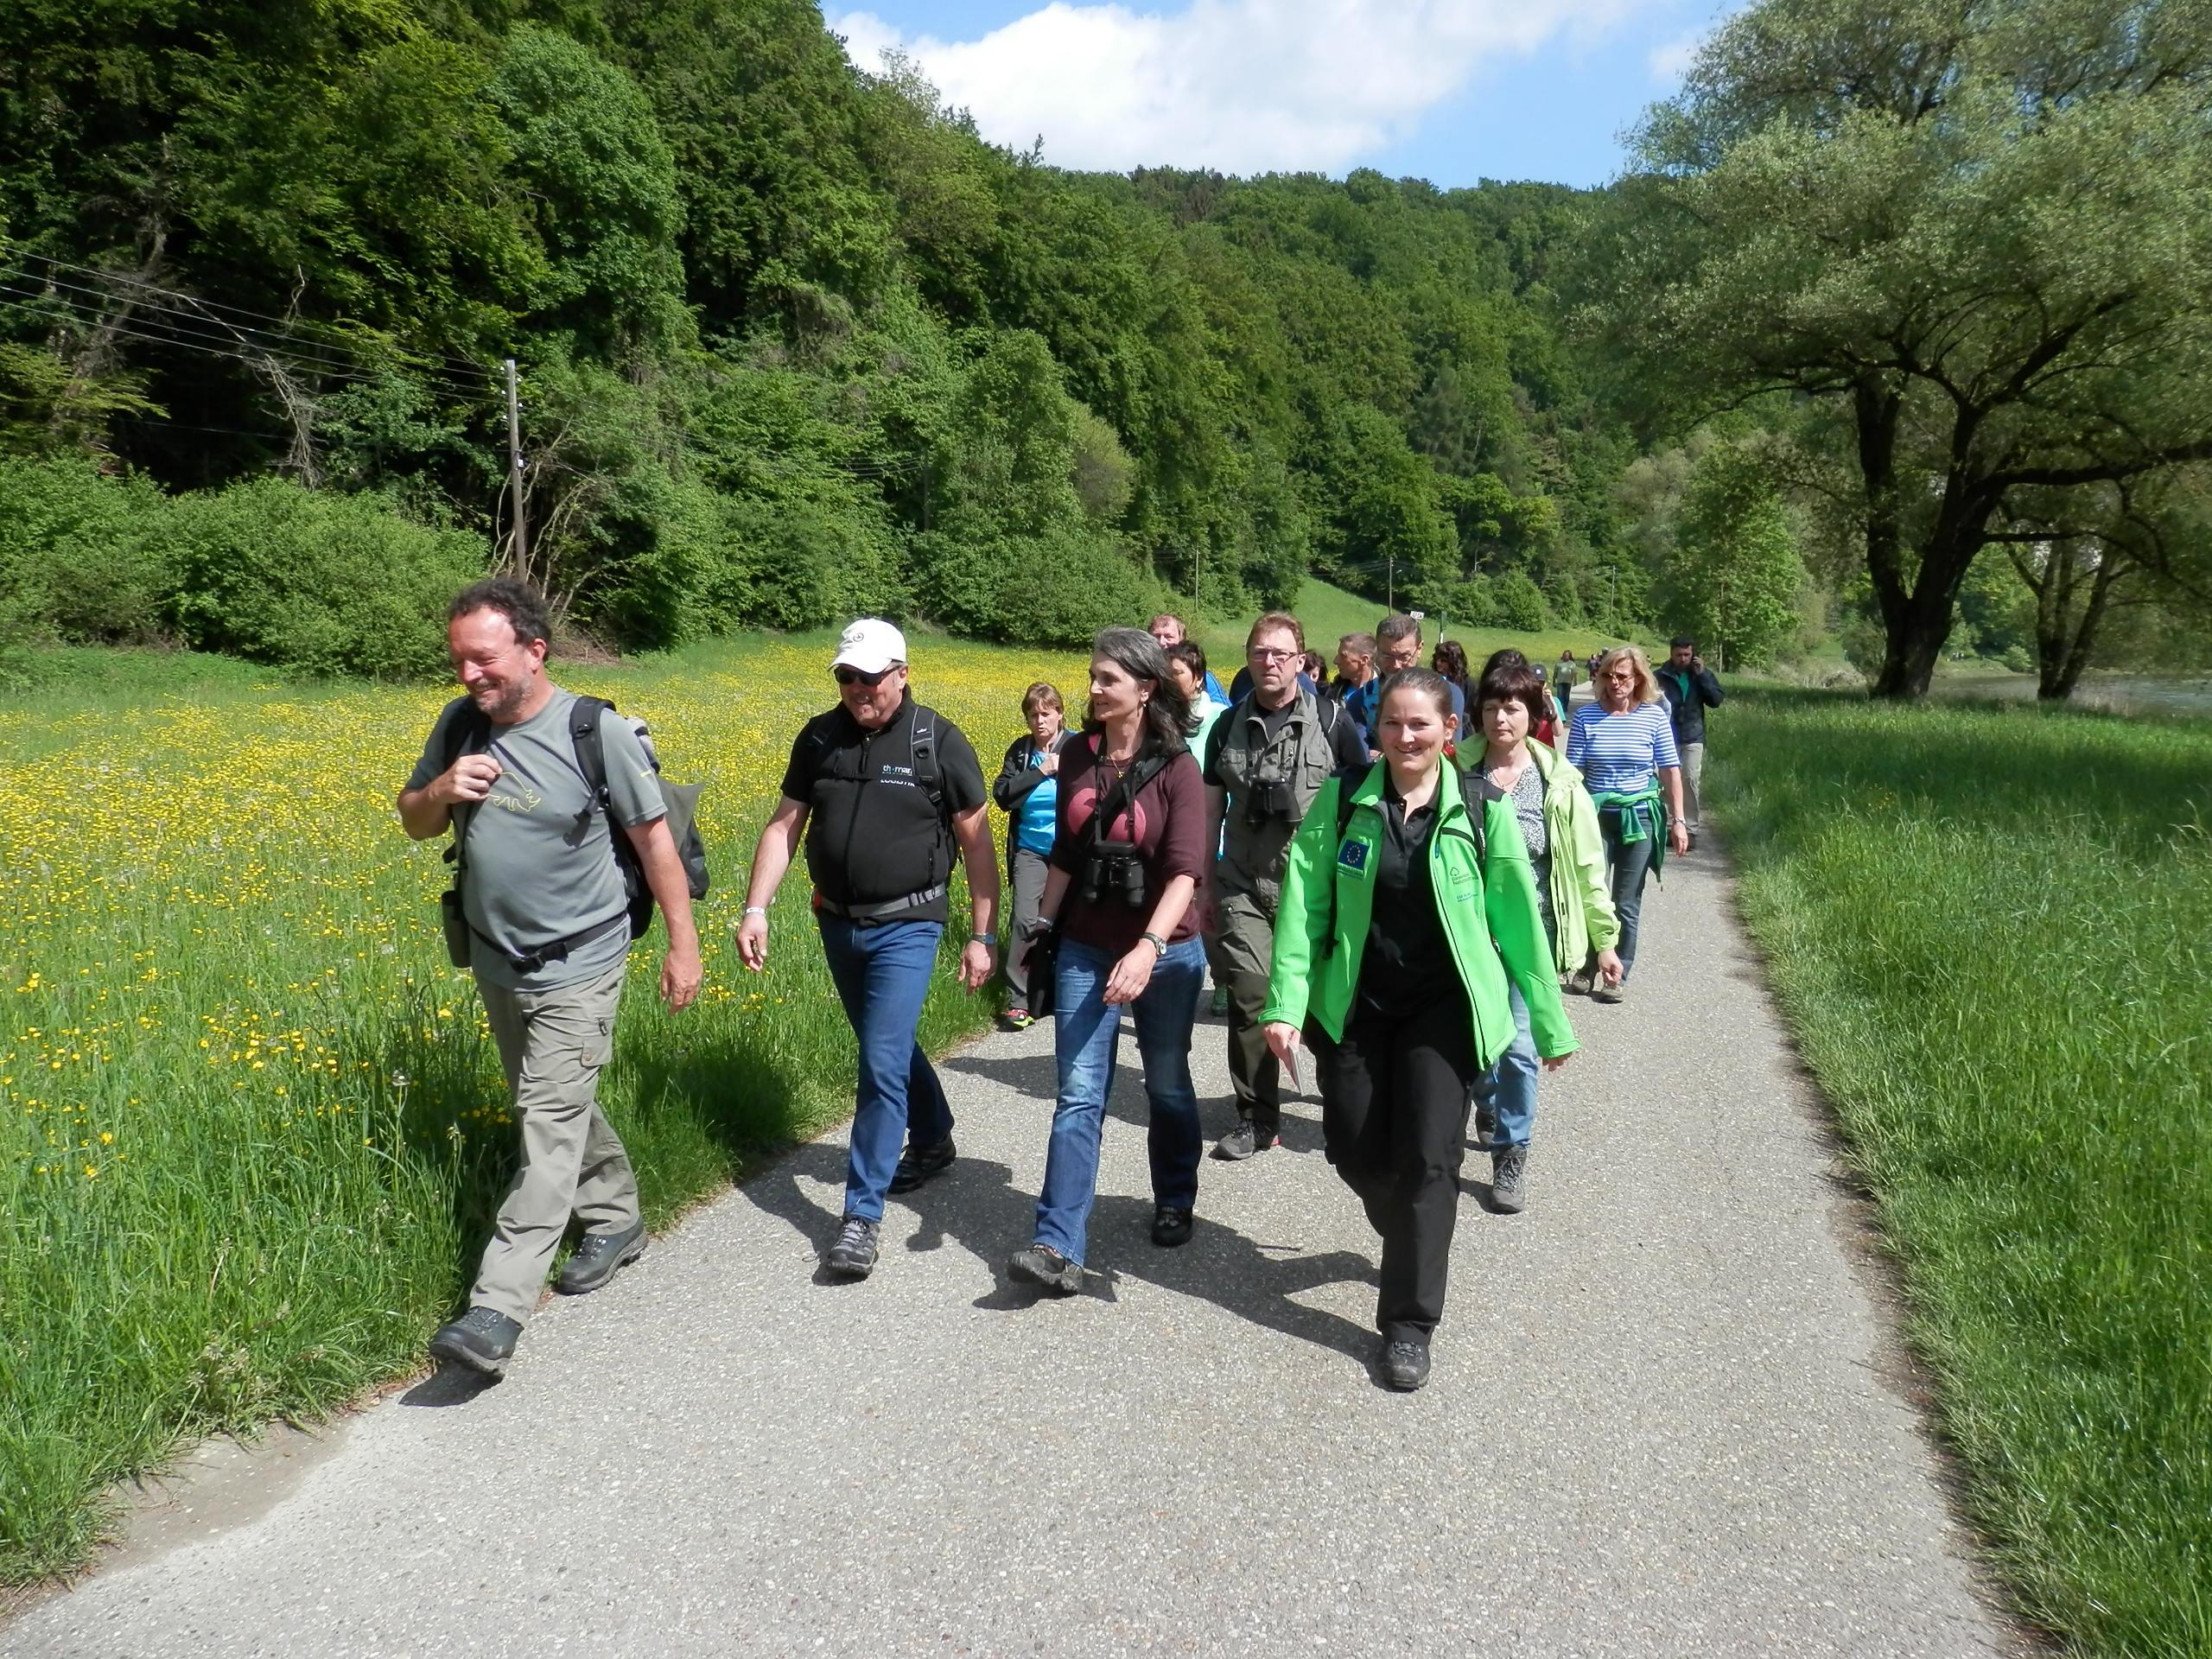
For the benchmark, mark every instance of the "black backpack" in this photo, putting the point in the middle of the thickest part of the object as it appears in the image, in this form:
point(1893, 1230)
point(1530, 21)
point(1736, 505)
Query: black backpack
point(470, 729)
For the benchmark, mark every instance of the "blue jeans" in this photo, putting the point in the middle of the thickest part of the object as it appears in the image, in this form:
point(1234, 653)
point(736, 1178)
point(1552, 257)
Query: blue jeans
point(1086, 1034)
point(1507, 1095)
point(883, 975)
point(1629, 862)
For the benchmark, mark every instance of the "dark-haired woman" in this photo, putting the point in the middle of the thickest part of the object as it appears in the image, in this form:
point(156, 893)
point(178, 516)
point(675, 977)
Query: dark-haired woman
point(1027, 792)
point(1449, 660)
point(1404, 919)
point(1130, 851)
point(1558, 824)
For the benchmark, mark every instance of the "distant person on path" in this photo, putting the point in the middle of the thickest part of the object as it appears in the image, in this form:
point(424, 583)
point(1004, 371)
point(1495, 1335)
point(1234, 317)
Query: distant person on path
point(547, 918)
point(1027, 792)
point(1126, 866)
point(1265, 763)
point(884, 790)
point(1449, 663)
point(1564, 675)
point(1169, 631)
point(1690, 689)
point(1623, 743)
point(1566, 855)
point(1405, 921)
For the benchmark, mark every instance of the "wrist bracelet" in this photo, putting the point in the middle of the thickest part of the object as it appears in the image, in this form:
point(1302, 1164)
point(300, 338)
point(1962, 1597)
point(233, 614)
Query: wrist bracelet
point(756, 910)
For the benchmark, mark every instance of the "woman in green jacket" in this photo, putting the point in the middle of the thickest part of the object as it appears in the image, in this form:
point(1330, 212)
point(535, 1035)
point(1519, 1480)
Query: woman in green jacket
point(1558, 824)
point(1407, 913)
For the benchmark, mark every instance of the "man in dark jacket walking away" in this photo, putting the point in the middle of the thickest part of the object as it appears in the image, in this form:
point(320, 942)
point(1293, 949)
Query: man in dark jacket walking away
point(1690, 689)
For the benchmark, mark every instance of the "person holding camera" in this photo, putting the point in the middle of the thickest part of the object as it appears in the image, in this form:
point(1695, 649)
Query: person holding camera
point(1118, 921)
point(1408, 912)
point(1266, 759)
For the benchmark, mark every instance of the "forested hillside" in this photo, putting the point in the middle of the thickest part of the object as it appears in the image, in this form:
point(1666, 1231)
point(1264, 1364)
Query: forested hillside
point(793, 341)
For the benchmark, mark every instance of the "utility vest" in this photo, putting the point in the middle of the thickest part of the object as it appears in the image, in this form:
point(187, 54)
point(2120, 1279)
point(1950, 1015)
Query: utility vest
point(1270, 783)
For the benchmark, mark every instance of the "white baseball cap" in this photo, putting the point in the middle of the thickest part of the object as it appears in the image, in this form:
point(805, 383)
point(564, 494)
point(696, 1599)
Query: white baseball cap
point(871, 645)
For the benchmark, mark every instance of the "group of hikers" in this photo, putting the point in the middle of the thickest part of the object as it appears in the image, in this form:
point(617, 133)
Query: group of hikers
point(1394, 875)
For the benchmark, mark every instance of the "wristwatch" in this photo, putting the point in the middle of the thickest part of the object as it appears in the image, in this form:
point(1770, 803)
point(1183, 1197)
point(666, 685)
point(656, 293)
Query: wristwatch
point(1159, 945)
point(990, 940)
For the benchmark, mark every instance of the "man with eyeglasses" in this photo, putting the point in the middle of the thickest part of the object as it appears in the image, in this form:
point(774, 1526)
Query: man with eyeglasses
point(1397, 645)
point(1266, 759)
point(885, 790)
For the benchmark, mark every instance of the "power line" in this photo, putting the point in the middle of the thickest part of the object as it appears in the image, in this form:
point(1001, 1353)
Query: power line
point(235, 310)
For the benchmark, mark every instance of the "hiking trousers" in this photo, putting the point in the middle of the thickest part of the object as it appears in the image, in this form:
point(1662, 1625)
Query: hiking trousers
point(1692, 758)
point(553, 1044)
point(1243, 951)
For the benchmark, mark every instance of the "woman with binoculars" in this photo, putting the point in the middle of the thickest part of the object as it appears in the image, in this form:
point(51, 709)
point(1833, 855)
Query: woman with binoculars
point(1118, 922)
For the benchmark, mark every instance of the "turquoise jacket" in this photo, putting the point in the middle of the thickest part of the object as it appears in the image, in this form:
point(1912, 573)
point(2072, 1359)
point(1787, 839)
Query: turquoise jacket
point(1488, 909)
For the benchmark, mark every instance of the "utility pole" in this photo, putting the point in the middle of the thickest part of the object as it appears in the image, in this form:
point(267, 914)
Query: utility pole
point(521, 559)
point(1390, 581)
point(1197, 553)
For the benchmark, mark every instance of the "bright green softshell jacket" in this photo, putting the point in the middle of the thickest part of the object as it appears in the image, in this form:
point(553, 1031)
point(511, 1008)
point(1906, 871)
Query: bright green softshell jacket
point(1315, 974)
point(1582, 896)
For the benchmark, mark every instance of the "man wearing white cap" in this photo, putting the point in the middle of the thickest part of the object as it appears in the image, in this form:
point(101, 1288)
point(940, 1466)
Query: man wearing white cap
point(884, 789)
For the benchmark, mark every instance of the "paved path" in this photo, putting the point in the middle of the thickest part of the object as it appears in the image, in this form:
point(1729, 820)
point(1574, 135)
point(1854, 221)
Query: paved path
point(1665, 1418)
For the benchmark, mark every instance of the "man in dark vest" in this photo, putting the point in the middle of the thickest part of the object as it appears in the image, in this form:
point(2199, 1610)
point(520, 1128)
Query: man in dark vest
point(885, 790)
point(1266, 759)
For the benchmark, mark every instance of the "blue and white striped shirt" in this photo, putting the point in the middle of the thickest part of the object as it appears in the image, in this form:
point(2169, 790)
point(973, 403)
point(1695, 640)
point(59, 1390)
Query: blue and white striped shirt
point(1621, 754)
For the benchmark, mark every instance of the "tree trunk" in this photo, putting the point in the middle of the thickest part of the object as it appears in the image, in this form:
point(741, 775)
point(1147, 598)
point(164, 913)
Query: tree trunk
point(2062, 641)
point(1915, 636)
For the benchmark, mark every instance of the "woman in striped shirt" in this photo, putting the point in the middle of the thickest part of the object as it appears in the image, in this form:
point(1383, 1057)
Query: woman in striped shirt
point(1623, 745)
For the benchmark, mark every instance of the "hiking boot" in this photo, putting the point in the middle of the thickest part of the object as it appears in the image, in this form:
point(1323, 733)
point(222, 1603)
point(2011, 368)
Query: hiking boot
point(918, 1164)
point(1246, 1138)
point(1043, 1266)
point(1509, 1186)
point(853, 1257)
point(1602, 992)
point(1220, 1001)
point(1404, 1366)
point(1170, 1226)
point(599, 1257)
point(481, 1340)
point(1579, 982)
point(1015, 1019)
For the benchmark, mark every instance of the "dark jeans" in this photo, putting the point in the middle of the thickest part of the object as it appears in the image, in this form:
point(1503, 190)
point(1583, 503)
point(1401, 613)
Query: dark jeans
point(1086, 1040)
point(882, 974)
point(1629, 862)
point(1394, 1121)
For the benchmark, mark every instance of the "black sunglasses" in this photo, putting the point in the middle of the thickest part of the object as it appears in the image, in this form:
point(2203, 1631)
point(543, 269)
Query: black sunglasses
point(854, 677)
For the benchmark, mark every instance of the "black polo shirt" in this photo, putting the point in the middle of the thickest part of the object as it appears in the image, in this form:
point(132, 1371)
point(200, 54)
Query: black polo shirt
point(874, 834)
point(1408, 961)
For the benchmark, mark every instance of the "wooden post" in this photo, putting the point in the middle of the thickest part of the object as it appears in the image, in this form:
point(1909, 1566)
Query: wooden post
point(521, 559)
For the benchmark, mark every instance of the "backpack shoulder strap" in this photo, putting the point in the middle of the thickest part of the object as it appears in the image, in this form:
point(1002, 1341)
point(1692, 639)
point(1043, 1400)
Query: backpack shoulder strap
point(921, 737)
point(466, 727)
point(591, 747)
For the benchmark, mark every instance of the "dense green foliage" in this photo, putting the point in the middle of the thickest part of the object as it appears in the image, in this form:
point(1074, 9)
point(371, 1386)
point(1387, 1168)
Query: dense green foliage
point(1963, 250)
point(793, 340)
point(1987, 928)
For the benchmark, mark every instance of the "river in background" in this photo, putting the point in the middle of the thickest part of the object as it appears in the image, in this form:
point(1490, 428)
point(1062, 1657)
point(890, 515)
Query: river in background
point(2115, 694)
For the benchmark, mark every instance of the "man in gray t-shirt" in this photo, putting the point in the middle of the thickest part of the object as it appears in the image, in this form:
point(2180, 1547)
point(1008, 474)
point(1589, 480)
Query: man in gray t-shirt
point(549, 931)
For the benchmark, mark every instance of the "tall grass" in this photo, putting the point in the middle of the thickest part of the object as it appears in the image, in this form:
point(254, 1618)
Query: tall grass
point(251, 1126)
point(1989, 929)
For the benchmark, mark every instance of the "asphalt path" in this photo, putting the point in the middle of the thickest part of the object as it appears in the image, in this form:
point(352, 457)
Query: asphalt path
point(1668, 1415)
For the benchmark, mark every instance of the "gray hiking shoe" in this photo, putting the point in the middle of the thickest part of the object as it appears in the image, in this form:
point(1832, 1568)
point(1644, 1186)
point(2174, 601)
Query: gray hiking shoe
point(599, 1257)
point(1602, 992)
point(1509, 1186)
point(853, 1257)
point(1043, 1266)
point(1246, 1138)
point(481, 1340)
point(1404, 1366)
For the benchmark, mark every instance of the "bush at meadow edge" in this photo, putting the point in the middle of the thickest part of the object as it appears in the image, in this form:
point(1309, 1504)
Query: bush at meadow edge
point(1988, 928)
point(259, 1125)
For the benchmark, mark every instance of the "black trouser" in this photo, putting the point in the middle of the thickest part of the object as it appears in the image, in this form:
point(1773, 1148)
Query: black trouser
point(1393, 1119)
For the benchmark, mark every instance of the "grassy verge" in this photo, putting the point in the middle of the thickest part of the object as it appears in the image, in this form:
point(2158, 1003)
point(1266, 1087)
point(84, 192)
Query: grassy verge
point(1328, 614)
point(1989, 929)
point(251, 1126)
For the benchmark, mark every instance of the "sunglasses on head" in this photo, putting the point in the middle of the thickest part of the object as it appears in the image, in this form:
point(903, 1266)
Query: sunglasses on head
point(854, 677)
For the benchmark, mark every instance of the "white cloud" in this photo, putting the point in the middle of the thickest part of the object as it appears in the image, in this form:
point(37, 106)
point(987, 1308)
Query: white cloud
point(1670, 62)
point(1243, 86)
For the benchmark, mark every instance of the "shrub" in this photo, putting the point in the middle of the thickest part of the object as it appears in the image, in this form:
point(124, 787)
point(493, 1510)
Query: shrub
point(324, 583)
point(1518, 603)
point(79, 553)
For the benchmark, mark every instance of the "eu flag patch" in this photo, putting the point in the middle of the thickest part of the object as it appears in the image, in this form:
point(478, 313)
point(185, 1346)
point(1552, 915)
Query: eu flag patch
point(1352, 855)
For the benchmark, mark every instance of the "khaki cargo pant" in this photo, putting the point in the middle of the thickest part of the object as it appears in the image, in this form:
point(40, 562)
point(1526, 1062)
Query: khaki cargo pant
point(1242, 949)
point(1693, 758)
point(553, 1044)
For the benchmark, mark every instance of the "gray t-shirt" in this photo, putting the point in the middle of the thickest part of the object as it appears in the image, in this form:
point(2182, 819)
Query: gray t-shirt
point(541, 866)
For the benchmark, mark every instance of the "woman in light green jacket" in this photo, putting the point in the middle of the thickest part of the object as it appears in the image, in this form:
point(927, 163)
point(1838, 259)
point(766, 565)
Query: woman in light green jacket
point(1407, 920)
point(1558, 823)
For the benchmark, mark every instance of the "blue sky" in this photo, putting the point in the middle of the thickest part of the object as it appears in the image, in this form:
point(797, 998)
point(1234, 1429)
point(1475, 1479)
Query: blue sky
point(1453, 91)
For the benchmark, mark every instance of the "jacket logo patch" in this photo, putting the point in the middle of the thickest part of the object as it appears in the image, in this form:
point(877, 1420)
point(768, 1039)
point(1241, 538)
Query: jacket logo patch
point(1352, 856)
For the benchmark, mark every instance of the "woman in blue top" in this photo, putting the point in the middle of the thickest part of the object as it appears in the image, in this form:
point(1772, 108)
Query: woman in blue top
point(1623, 745)
point(1027, 792)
